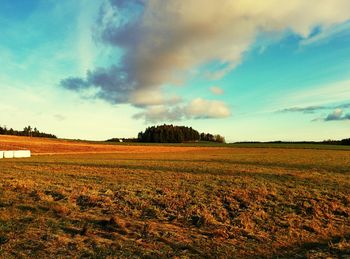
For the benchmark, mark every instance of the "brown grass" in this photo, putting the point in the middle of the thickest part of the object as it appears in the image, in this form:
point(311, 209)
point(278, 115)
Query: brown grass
point(211, 202)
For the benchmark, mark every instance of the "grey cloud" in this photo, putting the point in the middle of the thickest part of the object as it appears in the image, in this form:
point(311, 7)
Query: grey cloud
point(309, 109)
point(160, 114)
point(126, 35)
point(337, 115)
point(74, 83)
point(343, 106)
point(313, 109)
point(125, 3)
point(114, 84)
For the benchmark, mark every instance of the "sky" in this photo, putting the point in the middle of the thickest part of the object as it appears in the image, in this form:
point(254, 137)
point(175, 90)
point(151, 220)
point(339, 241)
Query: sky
point(246, 69)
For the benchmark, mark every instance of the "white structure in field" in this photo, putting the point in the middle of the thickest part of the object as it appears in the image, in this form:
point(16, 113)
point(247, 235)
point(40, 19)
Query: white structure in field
point(8, 154)
point(21, 153)
point(15, 154)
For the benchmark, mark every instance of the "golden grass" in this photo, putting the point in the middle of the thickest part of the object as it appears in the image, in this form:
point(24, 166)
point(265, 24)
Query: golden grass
point(44, 146)
point(204, 202)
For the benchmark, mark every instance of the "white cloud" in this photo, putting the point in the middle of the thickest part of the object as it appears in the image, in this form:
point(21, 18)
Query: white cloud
point(216, 90)
point(201, 108)
point(196, 109)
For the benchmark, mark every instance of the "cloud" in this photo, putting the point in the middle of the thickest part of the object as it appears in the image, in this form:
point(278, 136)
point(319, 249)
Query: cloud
point(313, 109)
point(143, 98)
point(160, 113)
point(162, 41)
point(337, 115)
point(59, 117)
point(114, 84)
point(196, 109)
point(216, 90)
point(125, 3)
point(308, 109)
point(207, 109)
point(336, 31)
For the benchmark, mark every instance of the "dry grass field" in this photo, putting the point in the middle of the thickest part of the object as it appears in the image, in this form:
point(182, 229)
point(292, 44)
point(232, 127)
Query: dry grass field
point(44, 146)
point(180, 202)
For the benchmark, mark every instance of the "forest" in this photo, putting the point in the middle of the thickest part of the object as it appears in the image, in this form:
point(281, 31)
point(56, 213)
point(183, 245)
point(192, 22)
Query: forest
point(176, 134)
point(27, 131)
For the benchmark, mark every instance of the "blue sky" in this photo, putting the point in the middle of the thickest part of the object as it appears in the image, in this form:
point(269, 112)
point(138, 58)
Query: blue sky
point(101, 69)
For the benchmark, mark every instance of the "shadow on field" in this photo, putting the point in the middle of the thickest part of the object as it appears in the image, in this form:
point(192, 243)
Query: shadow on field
point(196, 170)
point(160, 165)
point(335, 247)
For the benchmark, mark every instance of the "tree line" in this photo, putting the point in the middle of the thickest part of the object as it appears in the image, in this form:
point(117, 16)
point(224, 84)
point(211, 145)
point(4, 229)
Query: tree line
point(176, 134)
point(344, 142)
point(27, 131)
point(212, 138)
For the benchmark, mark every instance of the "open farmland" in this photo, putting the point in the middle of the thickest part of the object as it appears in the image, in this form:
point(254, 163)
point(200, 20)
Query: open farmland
point(44, 146)
point(174, 201)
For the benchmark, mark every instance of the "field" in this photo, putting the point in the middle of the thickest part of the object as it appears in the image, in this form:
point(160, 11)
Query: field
point(84, 200)
point(42, 146)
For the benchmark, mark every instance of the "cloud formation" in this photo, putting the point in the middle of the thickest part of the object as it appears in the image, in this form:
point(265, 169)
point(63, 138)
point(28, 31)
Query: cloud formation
point(197, 109)
point(163, 40)
point(313, 109)
point(207, 109)
point(337, 115)
point(308, 109)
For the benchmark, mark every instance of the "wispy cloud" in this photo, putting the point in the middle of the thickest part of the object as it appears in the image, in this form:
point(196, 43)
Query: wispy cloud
point(336, 112)
point(335, 92)
point(327, 33)
point(313, 109)
point(309, 109)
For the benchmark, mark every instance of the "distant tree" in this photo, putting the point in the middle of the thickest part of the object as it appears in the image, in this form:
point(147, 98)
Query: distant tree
point(168, 134)
point(345, 141)
point(27, 131)
point(219, 139)
point(176, 134)
point(113, 140)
